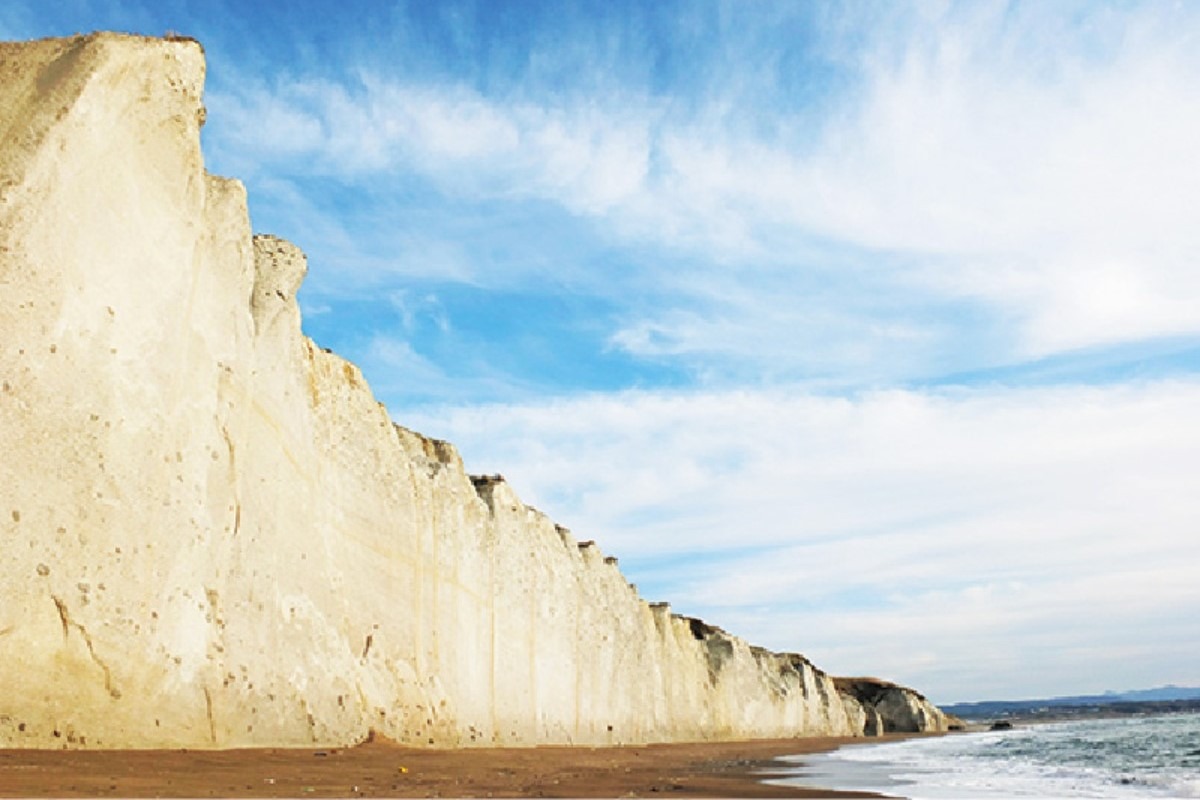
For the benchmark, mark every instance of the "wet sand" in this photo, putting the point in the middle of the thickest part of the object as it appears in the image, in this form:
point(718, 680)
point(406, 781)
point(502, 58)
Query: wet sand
point(381, 769)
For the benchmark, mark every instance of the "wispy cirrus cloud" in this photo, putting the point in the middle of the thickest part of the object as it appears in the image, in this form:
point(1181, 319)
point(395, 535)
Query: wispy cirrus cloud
point(580, 156)
point(1024, 171)
point(1053, 179)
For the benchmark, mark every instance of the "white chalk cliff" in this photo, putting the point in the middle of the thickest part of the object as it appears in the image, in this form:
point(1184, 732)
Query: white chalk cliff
point(213, 535)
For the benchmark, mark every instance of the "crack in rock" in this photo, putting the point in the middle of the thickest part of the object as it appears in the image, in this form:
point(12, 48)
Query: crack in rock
point(67, 623)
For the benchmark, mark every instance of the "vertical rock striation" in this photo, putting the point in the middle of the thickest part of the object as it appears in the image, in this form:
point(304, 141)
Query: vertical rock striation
point(214, 536)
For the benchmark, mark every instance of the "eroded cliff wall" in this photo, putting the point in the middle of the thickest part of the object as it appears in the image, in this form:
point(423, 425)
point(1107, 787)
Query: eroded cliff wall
point(212, 535)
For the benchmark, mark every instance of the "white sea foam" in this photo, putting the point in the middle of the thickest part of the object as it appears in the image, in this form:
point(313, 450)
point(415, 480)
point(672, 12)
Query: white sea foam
point(1141, 757)
point(1177, 785)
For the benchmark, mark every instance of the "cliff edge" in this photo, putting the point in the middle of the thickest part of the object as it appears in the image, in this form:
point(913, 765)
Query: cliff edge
point(214, 536)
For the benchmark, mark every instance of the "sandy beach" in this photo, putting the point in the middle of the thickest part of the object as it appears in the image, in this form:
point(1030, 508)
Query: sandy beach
point(381, 769)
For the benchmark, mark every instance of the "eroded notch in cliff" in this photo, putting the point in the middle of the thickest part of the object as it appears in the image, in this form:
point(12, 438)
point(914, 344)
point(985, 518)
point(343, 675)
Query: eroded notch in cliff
point(440, 450)
point(799, 666)
point(868, 691)
point(434, 454)
point(775, 669)
point(564, 536)
point(718, 647)
point(485, 487)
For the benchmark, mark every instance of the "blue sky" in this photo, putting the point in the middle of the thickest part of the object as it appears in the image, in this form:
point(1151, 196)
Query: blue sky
point(866, 330)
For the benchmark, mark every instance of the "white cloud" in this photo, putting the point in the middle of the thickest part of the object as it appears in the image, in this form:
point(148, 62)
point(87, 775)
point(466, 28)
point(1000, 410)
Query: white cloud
point(1052, 184)
point(1032, 169)
point(588, 160)
point(459, 127)
point(1054, 180)
point(972, 521)
point(258, 119)
point(396, 367)
point(417, 311)
point(581, 156)
point(404, 364)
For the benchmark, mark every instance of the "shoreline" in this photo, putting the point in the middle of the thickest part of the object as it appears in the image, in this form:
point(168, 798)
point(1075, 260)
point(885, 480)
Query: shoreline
point(383, 769)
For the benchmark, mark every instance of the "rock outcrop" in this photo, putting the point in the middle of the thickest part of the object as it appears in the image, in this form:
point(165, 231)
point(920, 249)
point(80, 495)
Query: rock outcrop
point(214, 536)
point(888, 708)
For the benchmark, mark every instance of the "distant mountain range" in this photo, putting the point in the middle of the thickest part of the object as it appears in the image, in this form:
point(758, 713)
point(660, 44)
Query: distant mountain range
point(1161, 693)
point(1162, 698)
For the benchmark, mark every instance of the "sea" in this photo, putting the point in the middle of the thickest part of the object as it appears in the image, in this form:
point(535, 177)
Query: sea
point(1144, 756)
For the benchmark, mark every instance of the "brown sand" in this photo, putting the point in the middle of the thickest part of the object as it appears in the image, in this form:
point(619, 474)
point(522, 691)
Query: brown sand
point(378, 769)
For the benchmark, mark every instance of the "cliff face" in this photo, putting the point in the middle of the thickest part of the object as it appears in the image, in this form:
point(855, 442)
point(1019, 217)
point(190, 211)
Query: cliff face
point(888, 708)
point(214, 536)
